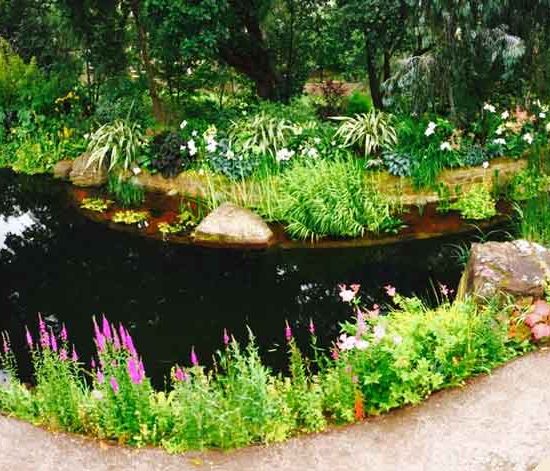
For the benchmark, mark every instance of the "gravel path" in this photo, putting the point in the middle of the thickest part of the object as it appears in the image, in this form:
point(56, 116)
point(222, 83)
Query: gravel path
point(498, 422)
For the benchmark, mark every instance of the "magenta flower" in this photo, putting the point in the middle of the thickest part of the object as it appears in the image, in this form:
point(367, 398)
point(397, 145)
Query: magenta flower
point(92, 363)
point(194, 358)
point(63, 335)
point(74, 355)
point(100, 377)
point(180, 375)
point(130, 345)
point(116, 340)
point(53, 341)
point(288, 332)
point(122, 334)
point(390, 290)
point(311, 326)
point(114, 385)
point(41, 325)
point(100, 342)
point(63, 356)
point(29, 338)
point(226, 338)
point(106, 328)
point(135, 371)
point(5, 343)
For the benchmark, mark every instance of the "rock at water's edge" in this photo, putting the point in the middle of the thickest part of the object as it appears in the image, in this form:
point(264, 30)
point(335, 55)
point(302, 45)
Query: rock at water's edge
point(232, 225)
point(62, 169)
point(519, 268)
point(86, 175)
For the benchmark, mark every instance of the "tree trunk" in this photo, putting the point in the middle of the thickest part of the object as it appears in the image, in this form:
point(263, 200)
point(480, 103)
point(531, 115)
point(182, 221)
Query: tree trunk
point(374, 79)
point(158, 108)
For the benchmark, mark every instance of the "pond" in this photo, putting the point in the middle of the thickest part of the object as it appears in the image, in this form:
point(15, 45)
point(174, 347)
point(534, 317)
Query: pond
point(55, 261)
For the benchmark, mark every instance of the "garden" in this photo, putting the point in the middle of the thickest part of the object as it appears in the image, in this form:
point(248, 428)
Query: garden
point(356, 125)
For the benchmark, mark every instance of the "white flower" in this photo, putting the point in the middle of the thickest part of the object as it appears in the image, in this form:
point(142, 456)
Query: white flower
point(192, 147)
point(505, 115)
point(284, 154)
point(312, 152)
point(211, 144)
point(499, 130)
point(136, 170)
point(445, 146)
point(548, 127)
point(542, 115)
point(397, 339)
point(430, 129)
point(528, 138)
point(183, 124)
point(346, 343)
point(500, 141)
point(97, 395)
point(458, 33)
point(230, 154)
point(490, 108)
point(485, 165)
point(189, 71)
point(361, 344)
point(195, 133)
point(317, 140)
point(379, 331)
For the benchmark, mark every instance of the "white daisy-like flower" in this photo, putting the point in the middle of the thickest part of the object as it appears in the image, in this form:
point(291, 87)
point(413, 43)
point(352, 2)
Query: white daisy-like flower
point(195, 133)
point(430, 129)
point(505, 115)
point(490, 108)
point(528, 138)
point(485, 165)
point(445, 146)
point(192, 147)
point(212, 145)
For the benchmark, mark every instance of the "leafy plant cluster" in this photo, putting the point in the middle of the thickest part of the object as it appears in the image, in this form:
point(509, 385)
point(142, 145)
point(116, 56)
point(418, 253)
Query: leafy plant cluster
point(477, 203)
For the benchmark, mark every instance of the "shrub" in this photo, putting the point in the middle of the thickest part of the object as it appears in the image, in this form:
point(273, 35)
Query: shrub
point(169, 154)
point(477, 203)
point(359, 103)
point(116, 145)
point(370, 132)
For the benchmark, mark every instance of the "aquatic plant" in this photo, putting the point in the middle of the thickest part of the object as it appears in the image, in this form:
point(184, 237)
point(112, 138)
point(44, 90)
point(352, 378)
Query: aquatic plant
point(98, 205)
point(127, 193)
point(532, 219)
point(130, 217)
point(476, 203)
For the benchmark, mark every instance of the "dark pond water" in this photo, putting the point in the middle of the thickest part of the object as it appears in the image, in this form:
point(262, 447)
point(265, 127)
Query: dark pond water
point(55, 261)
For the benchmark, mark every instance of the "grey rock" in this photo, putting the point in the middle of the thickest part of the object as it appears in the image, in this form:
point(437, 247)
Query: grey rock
point(519, 268)
point(234, 226)
point(86, 175)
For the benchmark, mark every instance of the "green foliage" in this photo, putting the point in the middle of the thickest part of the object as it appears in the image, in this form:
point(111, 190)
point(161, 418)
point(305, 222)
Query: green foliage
point(476, 203)
point(331, 199)
point(234, 166)
point(115, 145)
point(358, 103)
point(184, 221)
point(528, 184)
point(370, 132)
point(169, 154)
point(98, 205)
point(125, 191)
point(397, 163)
point(474, 156)
point(533, 219)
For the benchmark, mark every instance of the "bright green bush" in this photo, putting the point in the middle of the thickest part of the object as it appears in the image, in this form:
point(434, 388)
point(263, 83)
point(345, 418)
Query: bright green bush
point(358, 103)
point(477, 203)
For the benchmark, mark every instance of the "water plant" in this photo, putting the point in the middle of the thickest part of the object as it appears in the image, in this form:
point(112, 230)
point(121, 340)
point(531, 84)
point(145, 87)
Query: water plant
point(130, 217)
point(98, 205)
point(127, 193)
point(477, 203)
point(533, 219)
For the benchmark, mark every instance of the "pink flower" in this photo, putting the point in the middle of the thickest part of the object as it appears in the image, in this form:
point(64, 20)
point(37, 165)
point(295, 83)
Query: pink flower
point(355, 288)
point(100, 377)
point(194, 358)
point(288, 332)
point(311, 326)
point(135, 371)
point(390, 290)
point(541, 331)
point(29, 338)
point(5, 343)
point(53, 341)
point(116, 340)
point(180, 375)
point(41, 325)
point(63, 335)
point(346, 294)
point(226, 338)
point(106, 329)
point(540, 311)
point(379, 331)
point(361, 324)
point(114, 385)
point(63, 356)
point(334, 353)
point(74, 355)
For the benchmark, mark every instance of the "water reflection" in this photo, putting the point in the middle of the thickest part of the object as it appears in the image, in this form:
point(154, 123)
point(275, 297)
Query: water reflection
point(54, 261)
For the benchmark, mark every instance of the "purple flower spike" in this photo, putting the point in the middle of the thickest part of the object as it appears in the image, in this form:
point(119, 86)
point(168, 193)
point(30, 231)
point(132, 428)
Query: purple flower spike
point(116, 340)
point(44, 340)
point(29, 338)
point(226, 338)
point(288, 332)
point(74, 355)
point(130, 345)
point(122, 334)
point(311, 327)
point(194, 358)
point(53, 341)
point(63, 355)
point(114, 385)
point(41, 325)
point(106, 329)
point(135, 371)
point(92, 363)
point(5, 343)
point(64, 337)
point(100, 342)
point(100, 377)
point(180, 375)
point(361, 324)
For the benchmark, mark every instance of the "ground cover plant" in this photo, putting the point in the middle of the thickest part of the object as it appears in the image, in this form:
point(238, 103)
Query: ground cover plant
point(379, 362)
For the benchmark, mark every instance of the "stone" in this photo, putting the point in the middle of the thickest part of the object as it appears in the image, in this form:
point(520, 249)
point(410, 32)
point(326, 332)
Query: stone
point(519, 268)
point(62, 169)
point(234, 226)
point(86, 175)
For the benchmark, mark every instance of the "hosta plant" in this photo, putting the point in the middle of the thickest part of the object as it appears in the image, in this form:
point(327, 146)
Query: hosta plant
point(371, 131)
point(398, 163)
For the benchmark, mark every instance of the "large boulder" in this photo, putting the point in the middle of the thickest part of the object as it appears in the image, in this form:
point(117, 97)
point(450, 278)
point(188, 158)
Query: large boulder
point(62, 169)
point(83, 174)
point(233, 226)
point(519, 268)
